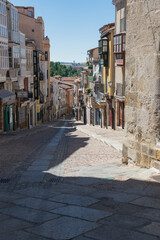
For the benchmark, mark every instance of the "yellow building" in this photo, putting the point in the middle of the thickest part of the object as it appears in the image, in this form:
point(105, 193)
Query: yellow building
point(106, 44)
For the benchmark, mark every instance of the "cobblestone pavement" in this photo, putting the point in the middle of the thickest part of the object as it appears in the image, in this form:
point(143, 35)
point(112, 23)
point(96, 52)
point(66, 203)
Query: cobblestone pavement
point(109, 136)
point(72, 186)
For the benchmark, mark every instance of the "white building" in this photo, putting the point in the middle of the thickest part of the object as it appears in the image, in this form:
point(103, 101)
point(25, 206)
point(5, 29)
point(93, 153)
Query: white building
point(4, 62)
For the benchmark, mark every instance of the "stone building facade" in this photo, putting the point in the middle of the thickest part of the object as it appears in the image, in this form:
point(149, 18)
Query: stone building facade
point(34, 30)
point(119, 63)
point(4, 62)
point(142, 140)
point(31, 26)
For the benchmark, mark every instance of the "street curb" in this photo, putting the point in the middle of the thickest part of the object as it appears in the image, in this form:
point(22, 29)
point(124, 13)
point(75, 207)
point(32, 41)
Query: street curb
point(116, 145)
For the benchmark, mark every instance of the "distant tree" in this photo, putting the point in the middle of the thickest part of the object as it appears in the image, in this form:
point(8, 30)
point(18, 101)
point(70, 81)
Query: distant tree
point(58, 69)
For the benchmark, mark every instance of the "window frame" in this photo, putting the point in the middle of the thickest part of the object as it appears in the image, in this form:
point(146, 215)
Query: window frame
point(119, 43)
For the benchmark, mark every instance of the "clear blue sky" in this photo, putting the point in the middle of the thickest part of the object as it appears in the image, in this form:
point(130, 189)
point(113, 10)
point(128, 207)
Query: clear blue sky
point(72, 25)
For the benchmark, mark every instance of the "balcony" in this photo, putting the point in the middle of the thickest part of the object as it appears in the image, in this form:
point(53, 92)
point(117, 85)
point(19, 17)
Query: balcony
point(119, 43)
point(119, 49)
point(43, 71)
point(100, 98)
point(99, 87)
point(120, 90)
point(14, 37)
point(103, 46)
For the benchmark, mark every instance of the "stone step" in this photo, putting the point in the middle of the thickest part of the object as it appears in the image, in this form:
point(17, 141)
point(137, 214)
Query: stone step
point(156, 165)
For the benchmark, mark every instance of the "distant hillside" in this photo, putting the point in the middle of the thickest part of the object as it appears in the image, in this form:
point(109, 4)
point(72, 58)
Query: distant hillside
point(56, 68)
point(73, 64)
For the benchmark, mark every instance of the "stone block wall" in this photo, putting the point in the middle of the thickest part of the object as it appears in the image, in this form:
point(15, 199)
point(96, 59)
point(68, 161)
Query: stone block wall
point(142, 141)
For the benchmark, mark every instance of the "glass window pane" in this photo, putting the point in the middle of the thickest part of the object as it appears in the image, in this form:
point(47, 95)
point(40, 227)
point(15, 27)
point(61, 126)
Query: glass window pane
point(104, 48)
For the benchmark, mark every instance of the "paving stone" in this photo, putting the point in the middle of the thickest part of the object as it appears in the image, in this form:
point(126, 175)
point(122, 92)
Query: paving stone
point(32, 176)
point(74, 199)
point(82, 238)
point(38, 204)
point(125, 221)
point(147, 202)
point(5, 205)
point(116, 196)
point(152, 190)
point(81, 212)
point(38, 167)
point(73, 189)
point(28, 214)
point(3, 217)
point(149, 213)
point(63, 228)
point(128, 209)
point(116, 207)
point(38, 192)
point(114, 233)
point(12, 224)
point(20, 235)
point(9, 196)
point(153, 228)
point(132, 186)
point(83, 181)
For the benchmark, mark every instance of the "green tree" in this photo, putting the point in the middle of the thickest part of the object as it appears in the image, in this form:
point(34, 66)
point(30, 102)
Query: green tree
point(58, 69)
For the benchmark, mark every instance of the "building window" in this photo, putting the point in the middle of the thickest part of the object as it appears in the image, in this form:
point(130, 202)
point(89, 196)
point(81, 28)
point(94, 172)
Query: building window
point(2, 9)
point(4, 56)
point(10, 57)
point(14, 19)
point(46, 56)
point(30, 14)
point(119, 43)
point(29, 56)
point(3, 31)
point(123, 24)
point(16, 57)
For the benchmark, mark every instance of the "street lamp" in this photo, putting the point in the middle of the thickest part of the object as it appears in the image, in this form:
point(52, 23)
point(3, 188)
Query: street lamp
point(110, 84)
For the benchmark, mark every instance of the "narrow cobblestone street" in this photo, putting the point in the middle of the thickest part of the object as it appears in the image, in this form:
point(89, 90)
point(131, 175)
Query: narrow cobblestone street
point(58, 182)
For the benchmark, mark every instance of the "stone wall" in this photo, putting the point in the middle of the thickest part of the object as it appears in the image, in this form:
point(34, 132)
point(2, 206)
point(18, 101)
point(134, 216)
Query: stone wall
point(33, 29)
point(142, 141)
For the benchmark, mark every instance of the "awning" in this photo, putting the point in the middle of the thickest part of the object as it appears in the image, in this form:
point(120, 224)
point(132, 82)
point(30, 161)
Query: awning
point(7, 97)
